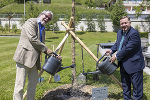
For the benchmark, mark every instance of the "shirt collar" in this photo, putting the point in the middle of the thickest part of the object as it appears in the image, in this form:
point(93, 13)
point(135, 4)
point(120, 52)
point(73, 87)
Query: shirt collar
point(125, 32)
point(38, 20)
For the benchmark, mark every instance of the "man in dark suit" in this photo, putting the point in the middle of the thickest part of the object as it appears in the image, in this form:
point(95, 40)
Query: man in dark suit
point(130, 59)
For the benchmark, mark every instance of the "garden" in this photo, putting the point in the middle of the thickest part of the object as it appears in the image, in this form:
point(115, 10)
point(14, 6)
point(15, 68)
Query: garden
point(90, 38)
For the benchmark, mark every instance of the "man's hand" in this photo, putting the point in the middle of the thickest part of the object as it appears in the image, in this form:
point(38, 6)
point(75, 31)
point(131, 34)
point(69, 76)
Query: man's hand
point(59, 57)
point(108, 51)
point(113, 58)
point(49, 52)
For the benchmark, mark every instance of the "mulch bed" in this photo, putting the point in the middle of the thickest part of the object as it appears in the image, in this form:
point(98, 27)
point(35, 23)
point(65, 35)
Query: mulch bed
point(66, 92)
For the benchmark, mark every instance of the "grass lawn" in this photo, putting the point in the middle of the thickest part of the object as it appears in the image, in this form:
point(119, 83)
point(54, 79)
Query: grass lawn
point(8, 70)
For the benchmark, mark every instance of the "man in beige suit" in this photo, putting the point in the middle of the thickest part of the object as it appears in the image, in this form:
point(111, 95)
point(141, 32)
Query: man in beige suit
point(27, 55)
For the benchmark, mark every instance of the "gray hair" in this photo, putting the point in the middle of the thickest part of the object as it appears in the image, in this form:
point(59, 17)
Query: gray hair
point(45, 12)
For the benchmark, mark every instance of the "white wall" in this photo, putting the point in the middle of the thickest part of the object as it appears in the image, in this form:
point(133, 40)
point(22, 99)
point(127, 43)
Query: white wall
point(142, 24)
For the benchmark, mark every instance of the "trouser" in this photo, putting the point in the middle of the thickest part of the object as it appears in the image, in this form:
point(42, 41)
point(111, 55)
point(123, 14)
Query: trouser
point(136, 79)
point(21, 72)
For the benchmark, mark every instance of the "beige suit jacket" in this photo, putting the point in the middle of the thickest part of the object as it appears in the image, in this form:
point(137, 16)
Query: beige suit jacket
point(29, 46)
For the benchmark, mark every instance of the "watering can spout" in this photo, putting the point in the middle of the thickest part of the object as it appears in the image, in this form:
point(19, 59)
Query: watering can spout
point(104, 67)
point(53, 64)
point(62, 68)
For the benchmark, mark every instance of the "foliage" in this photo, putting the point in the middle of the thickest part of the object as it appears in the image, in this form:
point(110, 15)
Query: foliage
point(56, 28)
point(22, 1)
point(138, 11)
point(32, 11)
point(57, 7)
point(144, 34)
point(79, 2)
point(90, 24)
point(90, 3)
point(117, 12)
point(14, 28)
point(137, 28)
point(101, 23)
point(2, 29)
point(5, 2)
point(99, 3)
point(96, 3)
point(6, 27)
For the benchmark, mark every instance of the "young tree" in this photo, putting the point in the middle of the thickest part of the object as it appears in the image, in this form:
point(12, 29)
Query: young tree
point(90, 24)
point(116, 13)
point(101, 23)
point(32, 11)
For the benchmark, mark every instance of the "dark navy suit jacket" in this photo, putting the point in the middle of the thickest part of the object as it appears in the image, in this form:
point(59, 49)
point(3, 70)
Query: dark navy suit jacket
point(130, 55)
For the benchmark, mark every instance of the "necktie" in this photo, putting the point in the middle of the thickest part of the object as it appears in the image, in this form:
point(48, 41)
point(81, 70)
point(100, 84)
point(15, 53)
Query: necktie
point(41, 28)
point(121, 42)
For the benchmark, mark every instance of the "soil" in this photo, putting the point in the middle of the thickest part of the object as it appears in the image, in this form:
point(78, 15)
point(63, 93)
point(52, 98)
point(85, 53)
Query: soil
point(67, 92)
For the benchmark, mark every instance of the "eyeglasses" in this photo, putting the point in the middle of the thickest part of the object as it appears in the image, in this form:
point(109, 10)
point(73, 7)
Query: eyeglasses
point(49, 18)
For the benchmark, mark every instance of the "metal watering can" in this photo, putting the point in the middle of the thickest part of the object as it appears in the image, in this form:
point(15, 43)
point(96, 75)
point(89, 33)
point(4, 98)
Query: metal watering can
point(104, 67)
point(53, 64)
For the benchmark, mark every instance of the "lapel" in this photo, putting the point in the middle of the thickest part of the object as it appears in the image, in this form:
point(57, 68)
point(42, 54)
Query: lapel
point(37, 28)
point(38, 32)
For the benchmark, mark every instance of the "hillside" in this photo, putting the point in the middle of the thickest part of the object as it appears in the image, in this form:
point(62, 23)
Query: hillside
point(57, 6)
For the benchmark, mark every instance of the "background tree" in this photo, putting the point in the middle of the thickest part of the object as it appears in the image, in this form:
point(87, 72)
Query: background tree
point(90, 3)
point(118, 10)
point(139, 9)
point(22, 1)
point(90, 24)
point(14, 28)
point(99, 3)
point(5, 2)
point(32, 11)
point(101, 23)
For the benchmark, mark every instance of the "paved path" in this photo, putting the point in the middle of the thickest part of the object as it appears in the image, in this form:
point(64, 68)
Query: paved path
point(9, 35)
point(147, 70)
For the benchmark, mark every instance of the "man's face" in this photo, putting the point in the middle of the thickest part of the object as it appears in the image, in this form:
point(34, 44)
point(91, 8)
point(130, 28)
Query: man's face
point(45, 18)
point(125, 24)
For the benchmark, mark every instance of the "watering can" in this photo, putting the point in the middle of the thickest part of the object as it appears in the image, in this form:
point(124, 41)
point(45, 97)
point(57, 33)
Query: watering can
point(53, 64)
point(104, 67)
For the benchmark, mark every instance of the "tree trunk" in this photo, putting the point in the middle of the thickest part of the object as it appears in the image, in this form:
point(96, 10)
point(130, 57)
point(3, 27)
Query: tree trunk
point(73, 45)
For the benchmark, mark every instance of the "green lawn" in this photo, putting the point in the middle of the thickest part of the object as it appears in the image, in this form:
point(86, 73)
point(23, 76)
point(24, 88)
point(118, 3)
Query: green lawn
point(7, 65)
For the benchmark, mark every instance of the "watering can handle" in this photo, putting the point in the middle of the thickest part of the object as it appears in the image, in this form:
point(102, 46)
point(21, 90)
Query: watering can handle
point(54, 53)
point(47, 56)
point(100, 59)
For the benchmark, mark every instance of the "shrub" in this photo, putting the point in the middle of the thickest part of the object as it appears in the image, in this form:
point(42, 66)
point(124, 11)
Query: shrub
point(137, 28)
point(6, 27)
point(14, 28)
point(2, 28)
point(56, 28)
point(101, 23)
point(90, 24)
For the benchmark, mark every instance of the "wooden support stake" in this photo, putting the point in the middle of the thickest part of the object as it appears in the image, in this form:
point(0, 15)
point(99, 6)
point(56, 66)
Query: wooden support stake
point(81, 43)
point(86, 48)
